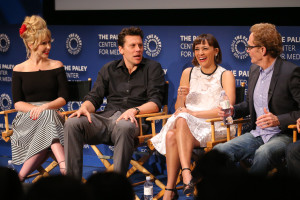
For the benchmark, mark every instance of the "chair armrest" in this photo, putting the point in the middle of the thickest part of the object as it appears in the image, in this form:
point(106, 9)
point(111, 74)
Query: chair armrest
point(158, 117)
point(295, 131)
point(214, 120)
point(149, 115)
point(68, 112)
point(292, 126)
point(8, 111)
point(237, 121)
point(7, 133)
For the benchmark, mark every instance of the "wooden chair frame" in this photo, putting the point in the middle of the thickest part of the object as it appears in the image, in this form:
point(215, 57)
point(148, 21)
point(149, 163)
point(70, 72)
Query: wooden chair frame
point(295, 131)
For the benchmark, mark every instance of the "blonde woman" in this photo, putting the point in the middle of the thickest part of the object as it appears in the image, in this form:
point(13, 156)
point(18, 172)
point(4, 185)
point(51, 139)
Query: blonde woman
point(39, 90)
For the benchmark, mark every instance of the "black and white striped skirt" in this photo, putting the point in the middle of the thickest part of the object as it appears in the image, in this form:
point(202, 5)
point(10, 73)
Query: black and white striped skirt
point(33, 136)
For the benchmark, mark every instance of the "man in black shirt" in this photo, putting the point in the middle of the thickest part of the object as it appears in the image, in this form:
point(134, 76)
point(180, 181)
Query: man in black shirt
point(133, 85)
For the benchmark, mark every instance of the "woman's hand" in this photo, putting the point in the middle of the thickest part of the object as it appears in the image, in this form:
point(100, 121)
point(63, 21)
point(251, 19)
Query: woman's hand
point(222, 114)
point(36, 111)
point(181, 110)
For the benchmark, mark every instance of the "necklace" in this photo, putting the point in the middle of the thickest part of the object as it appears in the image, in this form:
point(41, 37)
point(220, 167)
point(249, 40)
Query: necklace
point(209, 74)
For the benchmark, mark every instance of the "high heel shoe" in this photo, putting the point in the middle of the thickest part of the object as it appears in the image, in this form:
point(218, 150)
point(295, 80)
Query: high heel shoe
point(174, 191)
point(188, 188)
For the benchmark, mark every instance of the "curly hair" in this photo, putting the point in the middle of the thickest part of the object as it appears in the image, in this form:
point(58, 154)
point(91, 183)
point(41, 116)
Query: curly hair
point(266, 35)
point(212, 41)
point(129, 31)
point(36, 31)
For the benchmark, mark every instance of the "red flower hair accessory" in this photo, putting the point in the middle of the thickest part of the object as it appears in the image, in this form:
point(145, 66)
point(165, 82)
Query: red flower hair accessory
point(22, 29)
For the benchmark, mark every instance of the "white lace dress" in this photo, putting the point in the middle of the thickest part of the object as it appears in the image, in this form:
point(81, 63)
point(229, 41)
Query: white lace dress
point(204, 95)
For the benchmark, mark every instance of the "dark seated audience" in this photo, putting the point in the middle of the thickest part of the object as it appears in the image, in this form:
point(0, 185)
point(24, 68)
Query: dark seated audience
point(10, 184)
point(110, 185)
point(58, 187)
point(220, 178)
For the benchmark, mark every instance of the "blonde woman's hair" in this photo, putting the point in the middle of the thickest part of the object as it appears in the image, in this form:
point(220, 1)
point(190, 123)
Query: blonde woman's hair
point(36, 31)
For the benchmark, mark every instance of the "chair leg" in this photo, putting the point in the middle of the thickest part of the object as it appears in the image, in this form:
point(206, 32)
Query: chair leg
point(45, 172)
point(99, 154)
point(141, 161)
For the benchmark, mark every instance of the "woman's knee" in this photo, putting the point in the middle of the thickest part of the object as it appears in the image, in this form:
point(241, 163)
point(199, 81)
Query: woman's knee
point(171, 138)
point(180, 121)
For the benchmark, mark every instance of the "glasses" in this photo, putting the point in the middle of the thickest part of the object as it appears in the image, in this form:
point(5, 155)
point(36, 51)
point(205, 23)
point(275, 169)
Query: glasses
point(249, 47)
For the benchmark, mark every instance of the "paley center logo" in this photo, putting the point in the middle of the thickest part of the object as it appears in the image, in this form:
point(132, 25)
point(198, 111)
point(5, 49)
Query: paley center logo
point(5, 102)
point(4, 42)
point(152, 45)
point(238, 47)
point(74, 105)
point(73, 44)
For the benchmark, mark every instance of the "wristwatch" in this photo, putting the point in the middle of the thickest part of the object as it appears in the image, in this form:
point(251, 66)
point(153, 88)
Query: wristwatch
point(137, 110)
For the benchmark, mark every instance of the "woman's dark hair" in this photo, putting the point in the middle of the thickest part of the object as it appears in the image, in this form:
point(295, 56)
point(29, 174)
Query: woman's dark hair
point(212, 41)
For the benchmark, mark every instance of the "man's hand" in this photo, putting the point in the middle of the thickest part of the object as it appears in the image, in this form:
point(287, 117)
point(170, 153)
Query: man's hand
point(298, 125)
point(82, 111)
point(129, 115)
point(267, 120)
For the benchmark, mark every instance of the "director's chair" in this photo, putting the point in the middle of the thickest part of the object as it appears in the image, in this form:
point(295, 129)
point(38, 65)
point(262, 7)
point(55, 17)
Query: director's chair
point(240, 95)
point(78, 89)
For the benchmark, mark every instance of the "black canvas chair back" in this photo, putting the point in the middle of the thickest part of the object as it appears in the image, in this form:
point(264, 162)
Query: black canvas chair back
point(78, 89)
point(240, 94)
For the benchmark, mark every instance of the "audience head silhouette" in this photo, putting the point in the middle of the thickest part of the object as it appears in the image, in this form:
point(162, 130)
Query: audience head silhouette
point(10, 184)
point(58, 187)
point(110, 185)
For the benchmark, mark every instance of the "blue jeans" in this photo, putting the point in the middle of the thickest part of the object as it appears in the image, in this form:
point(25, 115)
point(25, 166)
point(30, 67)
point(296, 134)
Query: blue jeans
point(293, 159)
point(265, 155)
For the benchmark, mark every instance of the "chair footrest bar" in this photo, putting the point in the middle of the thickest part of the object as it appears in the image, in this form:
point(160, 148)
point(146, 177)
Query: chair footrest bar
point(105, 157)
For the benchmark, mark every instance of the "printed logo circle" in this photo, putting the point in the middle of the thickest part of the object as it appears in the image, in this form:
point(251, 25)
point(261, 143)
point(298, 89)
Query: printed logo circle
point(4, 42)
point(152, 45)
point(5, 102)
point(238, 47)
point(73, 44)
point(74, 105)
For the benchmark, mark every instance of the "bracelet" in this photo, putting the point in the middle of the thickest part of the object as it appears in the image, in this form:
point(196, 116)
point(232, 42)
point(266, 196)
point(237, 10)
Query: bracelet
point(137, 110)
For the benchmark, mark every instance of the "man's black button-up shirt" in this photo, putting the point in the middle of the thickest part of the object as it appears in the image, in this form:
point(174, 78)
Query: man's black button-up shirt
point(124, 90)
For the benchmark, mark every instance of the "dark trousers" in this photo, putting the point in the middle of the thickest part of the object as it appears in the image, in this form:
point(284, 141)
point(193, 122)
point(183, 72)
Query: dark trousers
point(102, 130)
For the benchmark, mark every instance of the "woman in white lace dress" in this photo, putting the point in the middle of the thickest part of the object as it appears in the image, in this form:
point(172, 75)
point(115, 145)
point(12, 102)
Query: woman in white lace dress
point(197, 100)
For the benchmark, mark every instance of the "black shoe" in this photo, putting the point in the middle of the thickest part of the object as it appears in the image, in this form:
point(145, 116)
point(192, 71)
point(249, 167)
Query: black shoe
point(188, 188)
point(176, 196)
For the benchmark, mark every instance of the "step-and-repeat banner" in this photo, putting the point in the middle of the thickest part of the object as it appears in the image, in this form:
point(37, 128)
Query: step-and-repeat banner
point(85, 49)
